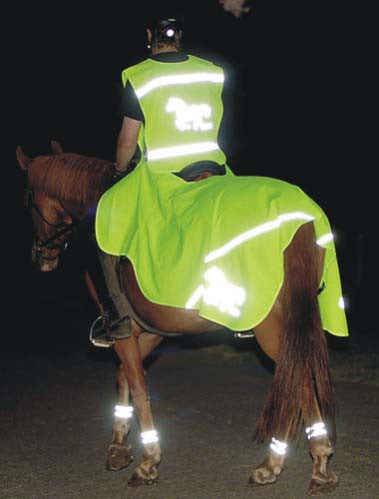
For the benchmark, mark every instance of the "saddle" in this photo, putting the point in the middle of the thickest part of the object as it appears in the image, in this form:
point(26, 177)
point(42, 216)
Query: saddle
point(199, 170)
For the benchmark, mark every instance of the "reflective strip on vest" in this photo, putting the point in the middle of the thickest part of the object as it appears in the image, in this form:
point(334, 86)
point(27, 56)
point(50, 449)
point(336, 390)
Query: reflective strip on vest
point(179, 79)
point(182, 150)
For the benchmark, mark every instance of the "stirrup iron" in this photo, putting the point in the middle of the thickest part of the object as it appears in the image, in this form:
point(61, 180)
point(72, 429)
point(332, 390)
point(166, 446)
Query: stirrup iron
point(104, 340)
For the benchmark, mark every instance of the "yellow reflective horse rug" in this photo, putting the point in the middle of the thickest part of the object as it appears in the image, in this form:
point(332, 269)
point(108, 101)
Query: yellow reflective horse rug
point(215, 245)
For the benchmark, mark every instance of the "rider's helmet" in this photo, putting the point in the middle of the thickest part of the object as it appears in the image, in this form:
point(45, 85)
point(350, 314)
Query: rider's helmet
point(166, 31)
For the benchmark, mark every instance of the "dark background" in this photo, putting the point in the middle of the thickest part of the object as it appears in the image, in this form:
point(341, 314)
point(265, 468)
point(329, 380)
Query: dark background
point(301, 79)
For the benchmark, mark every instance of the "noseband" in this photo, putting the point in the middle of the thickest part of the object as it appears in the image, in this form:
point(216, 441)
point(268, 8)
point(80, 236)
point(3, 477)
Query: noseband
point(61, 228)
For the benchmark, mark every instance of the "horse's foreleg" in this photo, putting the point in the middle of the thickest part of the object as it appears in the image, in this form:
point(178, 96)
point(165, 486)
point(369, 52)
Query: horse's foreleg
point(129, 353)
point(323, 479)
point(119, 454)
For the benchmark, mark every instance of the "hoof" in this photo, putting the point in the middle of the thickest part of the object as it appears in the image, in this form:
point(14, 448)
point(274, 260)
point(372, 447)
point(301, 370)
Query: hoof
point(137, 481)
point(323, 484)
point(118, 457)
point(262, 476)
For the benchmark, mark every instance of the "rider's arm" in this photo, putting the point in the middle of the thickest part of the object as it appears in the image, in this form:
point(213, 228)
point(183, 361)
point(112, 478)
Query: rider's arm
point(127, 142)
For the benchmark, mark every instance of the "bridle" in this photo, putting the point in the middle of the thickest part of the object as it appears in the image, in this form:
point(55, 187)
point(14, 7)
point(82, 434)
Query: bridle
point(61, 228)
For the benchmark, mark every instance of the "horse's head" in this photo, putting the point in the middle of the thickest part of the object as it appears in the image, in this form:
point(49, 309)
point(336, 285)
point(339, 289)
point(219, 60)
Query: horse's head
point(52, 222)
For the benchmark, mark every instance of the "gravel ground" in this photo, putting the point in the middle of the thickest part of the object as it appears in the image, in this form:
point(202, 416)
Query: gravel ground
point(56, 417)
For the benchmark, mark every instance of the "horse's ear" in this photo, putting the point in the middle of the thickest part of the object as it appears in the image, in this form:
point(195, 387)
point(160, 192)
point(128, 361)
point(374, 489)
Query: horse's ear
point(56, 147)
point(23, 159)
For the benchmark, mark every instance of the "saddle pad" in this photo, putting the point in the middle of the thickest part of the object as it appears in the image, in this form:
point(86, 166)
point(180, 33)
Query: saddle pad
point(215, 245)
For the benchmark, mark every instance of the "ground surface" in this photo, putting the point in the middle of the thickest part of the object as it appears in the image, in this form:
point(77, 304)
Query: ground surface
point(56, 417)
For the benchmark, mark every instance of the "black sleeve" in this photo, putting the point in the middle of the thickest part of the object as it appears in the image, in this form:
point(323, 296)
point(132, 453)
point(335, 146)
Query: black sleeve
point(129, 105)
point(230, 133)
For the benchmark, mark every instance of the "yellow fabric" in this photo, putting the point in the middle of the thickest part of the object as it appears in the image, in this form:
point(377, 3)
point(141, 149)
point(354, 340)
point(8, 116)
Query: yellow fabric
point(182, 238)
point(178, 112)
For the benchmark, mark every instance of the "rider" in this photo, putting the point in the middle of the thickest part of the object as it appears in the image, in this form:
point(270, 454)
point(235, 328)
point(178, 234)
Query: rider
point(172, 109)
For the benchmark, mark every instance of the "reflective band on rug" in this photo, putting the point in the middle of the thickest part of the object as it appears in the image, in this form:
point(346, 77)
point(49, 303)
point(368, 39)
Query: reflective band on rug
point(182, 150)
point(123, 411)
point(256, 231)
point(326, 238)
point(316, 430)
point(149, 437)
point(278, 446)
point(179, 79)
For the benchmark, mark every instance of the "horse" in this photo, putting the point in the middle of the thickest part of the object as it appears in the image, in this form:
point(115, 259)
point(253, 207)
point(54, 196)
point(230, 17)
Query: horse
point(61, 187)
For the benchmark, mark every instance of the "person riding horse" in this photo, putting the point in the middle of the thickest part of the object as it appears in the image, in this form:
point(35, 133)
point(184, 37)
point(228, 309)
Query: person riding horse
point(172, 107)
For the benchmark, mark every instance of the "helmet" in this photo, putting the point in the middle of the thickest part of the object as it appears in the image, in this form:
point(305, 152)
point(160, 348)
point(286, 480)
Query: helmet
point(165, 30)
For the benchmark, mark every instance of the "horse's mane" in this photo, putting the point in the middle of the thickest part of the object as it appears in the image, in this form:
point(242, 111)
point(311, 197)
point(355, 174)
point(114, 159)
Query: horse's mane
point(70, 177)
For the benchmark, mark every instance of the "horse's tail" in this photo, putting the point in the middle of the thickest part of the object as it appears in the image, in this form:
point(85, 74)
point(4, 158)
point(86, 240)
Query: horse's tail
point(56, 147)
point(302, 380)
point(22, 158)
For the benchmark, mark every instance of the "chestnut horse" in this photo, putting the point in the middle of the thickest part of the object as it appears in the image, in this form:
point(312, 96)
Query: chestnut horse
point(61, 189)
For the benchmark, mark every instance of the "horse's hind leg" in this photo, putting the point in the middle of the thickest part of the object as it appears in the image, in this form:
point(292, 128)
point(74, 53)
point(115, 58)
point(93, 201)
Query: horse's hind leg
point(323, 479)
point(119, 454)
point(268, 336)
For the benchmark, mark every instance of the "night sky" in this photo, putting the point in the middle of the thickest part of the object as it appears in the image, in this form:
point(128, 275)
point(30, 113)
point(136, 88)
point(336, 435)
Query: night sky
point(300, 79)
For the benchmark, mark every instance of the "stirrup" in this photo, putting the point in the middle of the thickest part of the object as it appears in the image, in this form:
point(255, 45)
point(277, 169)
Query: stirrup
point(245, 334)
point(100, 339)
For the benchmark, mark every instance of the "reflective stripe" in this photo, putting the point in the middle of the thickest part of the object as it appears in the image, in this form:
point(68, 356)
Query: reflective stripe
point(256, 231)
point(179, 79)
point(341, 303)
point(326, 238)
point(149, 437)
point(182, 150)
point(219, 293)
point(123, 411)
point(316, 430)
point(278, 446)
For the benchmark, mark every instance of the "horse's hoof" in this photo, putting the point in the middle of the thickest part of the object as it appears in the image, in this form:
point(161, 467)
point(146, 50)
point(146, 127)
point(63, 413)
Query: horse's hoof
point(119, 456)
point(323, 484)
point(262, 476)
point(137, 481)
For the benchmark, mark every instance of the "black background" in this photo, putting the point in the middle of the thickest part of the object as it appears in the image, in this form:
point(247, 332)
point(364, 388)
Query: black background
point(302, 111)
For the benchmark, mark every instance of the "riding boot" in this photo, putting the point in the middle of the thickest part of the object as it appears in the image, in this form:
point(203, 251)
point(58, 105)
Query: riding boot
point(102, 268)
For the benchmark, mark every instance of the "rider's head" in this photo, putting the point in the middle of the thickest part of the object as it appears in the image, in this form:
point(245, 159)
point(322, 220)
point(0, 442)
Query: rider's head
point(164, 34)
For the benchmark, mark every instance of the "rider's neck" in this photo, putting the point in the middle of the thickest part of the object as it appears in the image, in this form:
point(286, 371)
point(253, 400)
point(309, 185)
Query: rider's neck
point(163, 48)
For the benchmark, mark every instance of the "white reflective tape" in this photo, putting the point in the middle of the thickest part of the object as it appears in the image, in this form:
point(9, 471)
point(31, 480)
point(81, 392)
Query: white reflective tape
point(278, 446)
point(149, 437)
point(179, 79)
point(219, 293)
point(256, 231)
point(341, 303)
point(123, 411)
point(182, 150)
point(326, 238)
point(190, 116)
point(316, 430)
point(195, 297)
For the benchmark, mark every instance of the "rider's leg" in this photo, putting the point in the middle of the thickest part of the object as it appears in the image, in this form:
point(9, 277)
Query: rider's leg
point(102, 269)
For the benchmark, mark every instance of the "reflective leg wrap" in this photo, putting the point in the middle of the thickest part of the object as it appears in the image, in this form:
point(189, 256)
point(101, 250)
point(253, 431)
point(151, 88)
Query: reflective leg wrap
point(278, 447)
point(123, 411)
point(149, 437)
point(316, 430)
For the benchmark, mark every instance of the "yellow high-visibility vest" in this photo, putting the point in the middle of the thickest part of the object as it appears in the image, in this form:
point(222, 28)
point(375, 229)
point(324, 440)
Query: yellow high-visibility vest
point(182, 106)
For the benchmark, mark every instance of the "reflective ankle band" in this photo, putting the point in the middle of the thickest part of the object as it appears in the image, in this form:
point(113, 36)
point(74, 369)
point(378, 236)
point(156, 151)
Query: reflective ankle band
point(149, 437)
point(316, 430)
point(278, 446)
point(123, 411)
